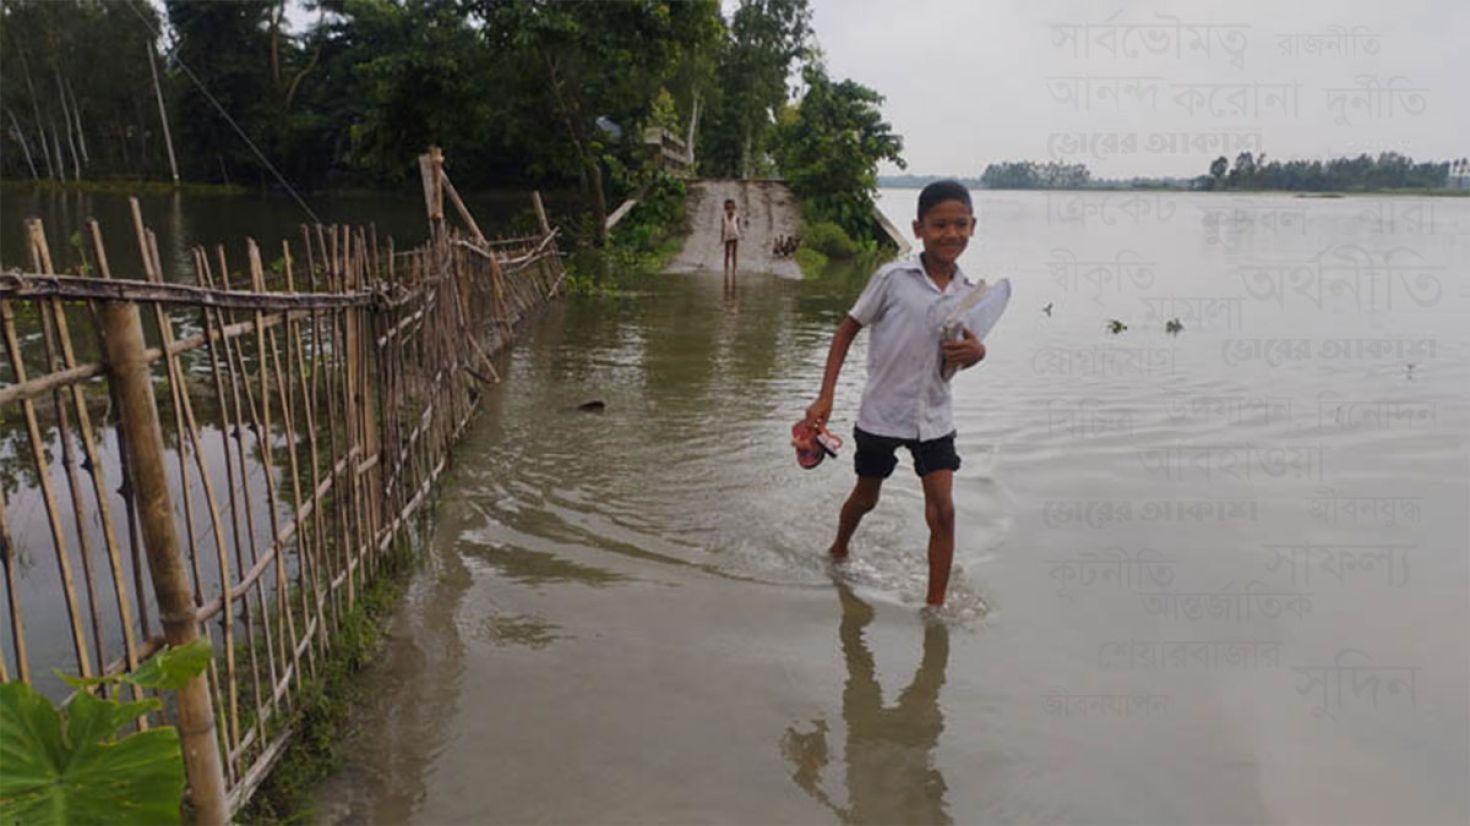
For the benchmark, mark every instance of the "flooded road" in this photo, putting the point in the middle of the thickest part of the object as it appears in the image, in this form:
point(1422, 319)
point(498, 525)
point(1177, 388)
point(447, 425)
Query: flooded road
point(1212, 577)
point(1218, 576)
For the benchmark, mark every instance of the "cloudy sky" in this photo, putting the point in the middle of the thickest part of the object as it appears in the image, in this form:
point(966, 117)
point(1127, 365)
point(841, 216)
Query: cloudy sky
point(1153, 88)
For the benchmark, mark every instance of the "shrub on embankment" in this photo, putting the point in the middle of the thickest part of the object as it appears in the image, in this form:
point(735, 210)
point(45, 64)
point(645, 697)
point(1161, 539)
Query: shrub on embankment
point(641, 244)
point(828, 147)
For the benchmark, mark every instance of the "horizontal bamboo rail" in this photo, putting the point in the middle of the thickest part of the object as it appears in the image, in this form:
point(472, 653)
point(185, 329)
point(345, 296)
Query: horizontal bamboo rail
point(305, 422)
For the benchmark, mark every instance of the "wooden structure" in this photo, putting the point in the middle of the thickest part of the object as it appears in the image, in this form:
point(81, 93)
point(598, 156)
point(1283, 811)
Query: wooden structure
point(671, 153)
point(304, 412)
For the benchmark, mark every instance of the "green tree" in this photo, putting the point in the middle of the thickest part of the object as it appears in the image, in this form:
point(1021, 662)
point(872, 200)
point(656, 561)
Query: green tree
point(829, 146)
point(589, 74)
point(77, 96)
point(1217, 171)
point(229, 48)
point(765, 40)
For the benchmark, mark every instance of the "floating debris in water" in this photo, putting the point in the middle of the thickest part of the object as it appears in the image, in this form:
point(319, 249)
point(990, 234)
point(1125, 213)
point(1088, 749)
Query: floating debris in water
point(594, 406)
point(1115, 326)
point(1173, 326)
point(1047, 308)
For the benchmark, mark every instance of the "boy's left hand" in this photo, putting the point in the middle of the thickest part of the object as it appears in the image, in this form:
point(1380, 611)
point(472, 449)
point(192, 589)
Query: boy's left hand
point(966, 352)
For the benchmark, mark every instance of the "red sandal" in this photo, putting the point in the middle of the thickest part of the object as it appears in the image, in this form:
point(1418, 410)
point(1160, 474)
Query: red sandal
point(813, 444)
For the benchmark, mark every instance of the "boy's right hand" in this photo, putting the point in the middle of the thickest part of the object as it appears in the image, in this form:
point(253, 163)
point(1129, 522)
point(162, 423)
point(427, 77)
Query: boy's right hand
point(819, 411)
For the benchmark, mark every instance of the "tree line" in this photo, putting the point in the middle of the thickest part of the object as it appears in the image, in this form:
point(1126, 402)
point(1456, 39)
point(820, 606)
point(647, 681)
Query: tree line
point(518, 92)
point(1390, 170)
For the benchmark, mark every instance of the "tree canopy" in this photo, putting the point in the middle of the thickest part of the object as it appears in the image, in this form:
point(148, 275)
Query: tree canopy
point(518, 92)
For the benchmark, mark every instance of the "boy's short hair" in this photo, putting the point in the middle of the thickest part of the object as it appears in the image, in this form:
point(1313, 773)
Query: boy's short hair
point(729, 202)
point(940, 191)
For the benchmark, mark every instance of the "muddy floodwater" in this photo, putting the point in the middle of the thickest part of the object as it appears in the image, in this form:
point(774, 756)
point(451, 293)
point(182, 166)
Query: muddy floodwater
point(1211, 577)
point(1218, 576)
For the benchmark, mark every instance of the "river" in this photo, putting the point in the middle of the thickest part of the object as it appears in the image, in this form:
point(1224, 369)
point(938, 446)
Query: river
point(1219, 576)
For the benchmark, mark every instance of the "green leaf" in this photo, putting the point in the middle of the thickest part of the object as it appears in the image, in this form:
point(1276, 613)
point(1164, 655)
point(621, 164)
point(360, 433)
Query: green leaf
point(173, 668)
point(67, 768)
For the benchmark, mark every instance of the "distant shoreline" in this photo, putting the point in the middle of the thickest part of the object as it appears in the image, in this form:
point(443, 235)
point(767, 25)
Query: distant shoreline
point(1326, 193)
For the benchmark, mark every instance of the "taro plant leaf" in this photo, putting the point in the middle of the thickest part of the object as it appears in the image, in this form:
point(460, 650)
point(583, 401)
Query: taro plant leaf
point(173, 667)
point(69, 768)
point(170, 668)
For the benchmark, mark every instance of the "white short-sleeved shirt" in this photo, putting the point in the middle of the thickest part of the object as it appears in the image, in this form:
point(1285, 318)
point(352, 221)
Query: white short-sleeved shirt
point(906, 397)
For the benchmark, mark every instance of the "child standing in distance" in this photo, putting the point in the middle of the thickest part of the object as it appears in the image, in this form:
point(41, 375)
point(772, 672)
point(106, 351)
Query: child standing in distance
point(905, 404)
point(730, 227)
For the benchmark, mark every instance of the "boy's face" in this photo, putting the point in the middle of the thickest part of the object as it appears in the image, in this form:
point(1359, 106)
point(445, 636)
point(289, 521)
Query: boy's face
point(730, 207)
point(945, 230)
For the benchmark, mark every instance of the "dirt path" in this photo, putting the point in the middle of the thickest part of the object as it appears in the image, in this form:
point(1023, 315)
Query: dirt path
point(769, 209)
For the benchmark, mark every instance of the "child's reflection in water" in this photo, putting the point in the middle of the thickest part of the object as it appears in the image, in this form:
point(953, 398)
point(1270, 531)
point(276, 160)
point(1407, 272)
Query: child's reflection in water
point(890, 772)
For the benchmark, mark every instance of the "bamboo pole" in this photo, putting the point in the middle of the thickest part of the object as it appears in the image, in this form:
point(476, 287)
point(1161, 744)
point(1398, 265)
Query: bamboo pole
point(235, 364)
point(168, 140)
point(296, 361)
point(232, 435)
point(285, 621)
point(228, 620)
point(93, 462)
point(43, 473)
point(540, 212)
point(12, 594)
point(122, 341)
point(284, 392)
point(68, 453)
point(187, 425)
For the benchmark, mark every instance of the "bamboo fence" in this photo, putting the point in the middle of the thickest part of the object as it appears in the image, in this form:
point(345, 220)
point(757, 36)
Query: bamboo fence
point(255, 453)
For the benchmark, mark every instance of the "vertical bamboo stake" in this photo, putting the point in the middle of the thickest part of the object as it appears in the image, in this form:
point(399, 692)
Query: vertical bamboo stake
point(288, 419)
point(187, 424)
point(122, 341)
point(329, 353)
point(285, 621)
point(237, 426)
point(318, 349)
point(235, 355)
point(43, 474)
point(296, 364)
point(74, 484)
point(93, 461)
point(12, 593)
point(540, 213)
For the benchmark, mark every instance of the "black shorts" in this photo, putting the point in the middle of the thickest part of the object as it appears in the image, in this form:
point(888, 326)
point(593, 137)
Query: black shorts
point(875, 454)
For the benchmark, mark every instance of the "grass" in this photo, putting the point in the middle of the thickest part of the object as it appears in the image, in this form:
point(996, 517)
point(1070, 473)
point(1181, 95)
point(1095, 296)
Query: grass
point(322, 708)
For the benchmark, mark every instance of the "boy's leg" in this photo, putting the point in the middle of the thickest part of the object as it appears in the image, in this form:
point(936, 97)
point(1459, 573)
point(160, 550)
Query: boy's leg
point(939, 513)
point(864, 497)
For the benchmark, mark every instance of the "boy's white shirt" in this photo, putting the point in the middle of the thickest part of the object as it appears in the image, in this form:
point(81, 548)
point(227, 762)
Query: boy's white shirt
point(906, 397)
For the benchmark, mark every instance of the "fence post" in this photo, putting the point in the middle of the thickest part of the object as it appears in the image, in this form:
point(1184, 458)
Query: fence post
point(540, 212)
point(123, 348)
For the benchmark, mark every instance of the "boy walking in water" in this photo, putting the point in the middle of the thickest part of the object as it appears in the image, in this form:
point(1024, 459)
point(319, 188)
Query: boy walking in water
point(906, 402)
point(730, 225)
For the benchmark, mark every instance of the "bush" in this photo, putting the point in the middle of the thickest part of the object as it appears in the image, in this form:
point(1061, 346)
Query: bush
point(810, 261)
point(830, 240)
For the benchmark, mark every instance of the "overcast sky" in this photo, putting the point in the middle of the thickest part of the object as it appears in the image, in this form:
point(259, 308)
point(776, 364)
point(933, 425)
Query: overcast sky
point(1149, 88)
point(1154, 88)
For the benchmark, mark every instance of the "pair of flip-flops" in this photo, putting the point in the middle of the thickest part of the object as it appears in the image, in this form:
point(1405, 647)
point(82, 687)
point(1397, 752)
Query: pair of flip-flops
point(813, 444)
